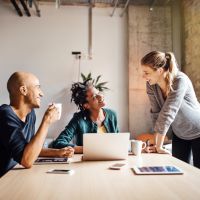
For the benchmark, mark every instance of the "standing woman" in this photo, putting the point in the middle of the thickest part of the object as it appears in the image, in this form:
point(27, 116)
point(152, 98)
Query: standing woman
point(173, 103)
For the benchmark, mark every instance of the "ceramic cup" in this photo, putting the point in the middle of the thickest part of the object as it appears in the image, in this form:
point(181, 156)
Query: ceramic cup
point(59, 108)
point(137, 146)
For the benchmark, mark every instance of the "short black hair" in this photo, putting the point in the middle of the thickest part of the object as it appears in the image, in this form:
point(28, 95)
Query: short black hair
point(79, 93)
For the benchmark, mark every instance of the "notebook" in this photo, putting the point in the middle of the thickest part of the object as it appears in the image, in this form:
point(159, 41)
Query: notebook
point(109, 146)
point(157, 170)
point(48, 160)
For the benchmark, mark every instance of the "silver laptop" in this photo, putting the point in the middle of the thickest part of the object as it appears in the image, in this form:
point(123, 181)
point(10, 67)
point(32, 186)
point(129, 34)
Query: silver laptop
point(108, 146)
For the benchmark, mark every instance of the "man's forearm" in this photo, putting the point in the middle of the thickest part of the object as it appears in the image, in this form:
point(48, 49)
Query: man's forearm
point(33, 148)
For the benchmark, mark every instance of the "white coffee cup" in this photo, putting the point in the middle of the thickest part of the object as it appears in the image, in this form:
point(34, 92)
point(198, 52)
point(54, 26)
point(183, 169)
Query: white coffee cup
point(59, 108)
point(137, 146)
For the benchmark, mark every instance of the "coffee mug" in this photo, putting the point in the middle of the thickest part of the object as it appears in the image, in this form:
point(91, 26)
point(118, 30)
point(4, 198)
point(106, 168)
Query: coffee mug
point(59, 108)
point(137, 146)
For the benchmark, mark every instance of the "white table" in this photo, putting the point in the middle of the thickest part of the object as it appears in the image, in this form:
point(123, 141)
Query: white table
point(93, 180)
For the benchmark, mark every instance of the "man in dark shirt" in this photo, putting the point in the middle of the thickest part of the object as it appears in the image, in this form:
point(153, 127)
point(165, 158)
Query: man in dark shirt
point(18, 141)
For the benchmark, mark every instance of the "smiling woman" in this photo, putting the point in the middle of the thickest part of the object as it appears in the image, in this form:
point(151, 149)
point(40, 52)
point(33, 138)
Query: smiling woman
point(92, 118)
point(158, 66)
point(173, 104)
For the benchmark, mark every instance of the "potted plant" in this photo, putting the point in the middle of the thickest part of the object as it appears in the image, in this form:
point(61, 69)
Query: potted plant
point(98, 85)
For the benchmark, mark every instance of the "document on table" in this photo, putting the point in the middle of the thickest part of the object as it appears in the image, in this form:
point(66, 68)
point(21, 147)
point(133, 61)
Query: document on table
point(49, 160)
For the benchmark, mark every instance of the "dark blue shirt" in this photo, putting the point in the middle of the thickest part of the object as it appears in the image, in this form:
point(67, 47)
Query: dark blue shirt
point(14, 135)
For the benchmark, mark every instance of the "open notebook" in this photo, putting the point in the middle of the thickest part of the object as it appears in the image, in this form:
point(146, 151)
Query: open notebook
point(48, 160)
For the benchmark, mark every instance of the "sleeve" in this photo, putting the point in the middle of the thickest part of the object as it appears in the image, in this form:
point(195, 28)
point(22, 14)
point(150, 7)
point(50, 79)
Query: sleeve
point(116, 122)
point(65, 137)
point(15, 141)
point(113, 122)
point(12, 135)
point(171, 106)
point(155, 108)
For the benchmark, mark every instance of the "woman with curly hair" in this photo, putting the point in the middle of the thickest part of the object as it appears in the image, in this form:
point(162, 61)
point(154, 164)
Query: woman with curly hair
point(92, 117)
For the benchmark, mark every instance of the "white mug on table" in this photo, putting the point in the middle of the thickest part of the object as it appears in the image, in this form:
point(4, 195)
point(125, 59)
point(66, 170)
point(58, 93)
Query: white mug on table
point(137, 146)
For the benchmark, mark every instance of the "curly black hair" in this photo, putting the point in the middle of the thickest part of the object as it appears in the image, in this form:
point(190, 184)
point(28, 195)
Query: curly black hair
point(79, 93)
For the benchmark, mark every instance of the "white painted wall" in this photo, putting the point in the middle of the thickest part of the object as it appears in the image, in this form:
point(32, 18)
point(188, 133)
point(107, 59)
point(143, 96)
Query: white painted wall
point(43, 46)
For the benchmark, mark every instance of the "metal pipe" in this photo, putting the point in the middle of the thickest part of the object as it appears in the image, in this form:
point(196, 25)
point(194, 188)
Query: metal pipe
point(25, 8)
point(36, 8)
point(126, 5)
point(58, 2)
point(17, 8)
point(90, 32)
point(116, 2)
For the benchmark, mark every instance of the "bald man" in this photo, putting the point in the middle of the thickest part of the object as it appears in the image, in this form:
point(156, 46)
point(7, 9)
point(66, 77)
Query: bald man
point(18, 141)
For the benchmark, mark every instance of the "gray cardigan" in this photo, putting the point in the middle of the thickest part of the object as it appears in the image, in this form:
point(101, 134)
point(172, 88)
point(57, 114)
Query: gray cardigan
point(180, 110)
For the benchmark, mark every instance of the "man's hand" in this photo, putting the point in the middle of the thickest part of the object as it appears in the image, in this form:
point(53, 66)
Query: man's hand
point(78, 149)
point(51, 115)
point(66, 152)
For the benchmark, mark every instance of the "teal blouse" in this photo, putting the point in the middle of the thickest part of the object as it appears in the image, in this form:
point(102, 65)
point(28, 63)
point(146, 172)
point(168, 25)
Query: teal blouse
point(80, 124)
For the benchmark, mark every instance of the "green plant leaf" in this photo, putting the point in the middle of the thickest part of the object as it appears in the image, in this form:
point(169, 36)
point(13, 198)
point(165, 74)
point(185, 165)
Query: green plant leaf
point(101, 84)
point(83, 77)
point(97, 79)
point(89, 76)
point(105, 88)
point(100, 89)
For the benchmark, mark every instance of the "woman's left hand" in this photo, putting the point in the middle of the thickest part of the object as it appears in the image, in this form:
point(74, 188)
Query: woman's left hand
point(150, 149)
point(162, 150)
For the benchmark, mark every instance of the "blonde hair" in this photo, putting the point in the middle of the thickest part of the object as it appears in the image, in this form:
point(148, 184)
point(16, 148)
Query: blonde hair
point(167, 61)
